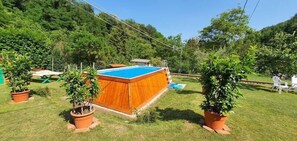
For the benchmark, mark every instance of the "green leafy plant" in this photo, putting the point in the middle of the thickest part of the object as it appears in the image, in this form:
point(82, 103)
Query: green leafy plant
point(157, 61)
point(44, 92)
point(279, 55)
point(220, 77)
point(81, 88)
point(26, 42)
point(17, 69)
point(150, 116)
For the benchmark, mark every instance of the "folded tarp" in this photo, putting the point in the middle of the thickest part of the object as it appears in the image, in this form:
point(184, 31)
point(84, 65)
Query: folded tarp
point(176, 86)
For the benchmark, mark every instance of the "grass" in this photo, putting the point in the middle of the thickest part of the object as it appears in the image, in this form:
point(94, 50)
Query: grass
point(261, 78)
point(260, 115)
point(258, 77)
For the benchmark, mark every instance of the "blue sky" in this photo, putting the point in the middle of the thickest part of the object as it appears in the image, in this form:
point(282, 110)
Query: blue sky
point(187, 17)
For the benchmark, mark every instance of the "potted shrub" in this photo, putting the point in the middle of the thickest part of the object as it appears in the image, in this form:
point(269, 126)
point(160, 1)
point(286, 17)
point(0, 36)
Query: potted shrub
point(81, 89)
point(16, 70)
point(220, 77)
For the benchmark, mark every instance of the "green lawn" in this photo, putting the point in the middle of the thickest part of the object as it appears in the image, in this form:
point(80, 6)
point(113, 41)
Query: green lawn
point(259, 77)
point(260, 115)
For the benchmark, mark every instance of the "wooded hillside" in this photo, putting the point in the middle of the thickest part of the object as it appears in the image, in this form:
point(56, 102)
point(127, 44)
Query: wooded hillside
point(70, 32)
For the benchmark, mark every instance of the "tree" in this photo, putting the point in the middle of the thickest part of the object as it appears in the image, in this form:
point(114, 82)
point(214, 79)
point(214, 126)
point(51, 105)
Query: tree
point(193, 55)
point(88, 49)
point(118, 38)
point(230, 30)
point(174, 55)
point(289, 26)
point(11, 4)
point(26, 42)
point(73, 35)
point(138, 49)
point(4, 15)
point(61, 50)
point(279, 55)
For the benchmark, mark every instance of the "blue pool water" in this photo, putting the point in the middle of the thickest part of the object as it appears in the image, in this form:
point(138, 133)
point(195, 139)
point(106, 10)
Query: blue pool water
point(128, 72)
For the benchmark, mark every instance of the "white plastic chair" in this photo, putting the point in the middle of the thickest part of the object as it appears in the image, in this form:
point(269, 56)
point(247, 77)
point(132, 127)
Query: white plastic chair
point(277, 84)
point(294, 84)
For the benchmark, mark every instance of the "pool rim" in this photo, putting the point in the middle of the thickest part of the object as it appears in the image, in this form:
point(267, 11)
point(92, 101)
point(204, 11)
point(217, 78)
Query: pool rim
point(160, 68)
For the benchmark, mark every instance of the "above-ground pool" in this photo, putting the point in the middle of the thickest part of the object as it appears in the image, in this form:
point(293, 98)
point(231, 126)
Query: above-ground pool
point(130, 88)
point(128, 72)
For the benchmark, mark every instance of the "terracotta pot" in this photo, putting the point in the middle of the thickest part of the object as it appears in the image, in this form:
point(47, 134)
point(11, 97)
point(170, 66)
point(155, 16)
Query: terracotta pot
point(20, 96)
point(214, 121)
point(83, 121)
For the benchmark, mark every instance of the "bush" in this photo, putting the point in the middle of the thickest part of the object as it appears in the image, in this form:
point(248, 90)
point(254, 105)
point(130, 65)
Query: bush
point(150, 116)
point(81, 88)
point(25, 43)
point(44, 92)
point(220, 77)
point(17, 69)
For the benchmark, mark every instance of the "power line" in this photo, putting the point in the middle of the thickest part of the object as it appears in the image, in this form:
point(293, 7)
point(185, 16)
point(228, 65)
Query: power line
point(89, 12)
point(254, 9)
point(141, 32)
point(246, 1)
point(94, 16)
point(111, 23)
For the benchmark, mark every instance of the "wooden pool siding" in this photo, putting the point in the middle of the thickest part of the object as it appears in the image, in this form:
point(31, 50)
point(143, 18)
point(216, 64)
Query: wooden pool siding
point(126, 95)
point(144, 90)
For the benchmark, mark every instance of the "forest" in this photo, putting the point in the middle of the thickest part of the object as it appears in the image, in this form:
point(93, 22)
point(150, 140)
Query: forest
point(67, 32)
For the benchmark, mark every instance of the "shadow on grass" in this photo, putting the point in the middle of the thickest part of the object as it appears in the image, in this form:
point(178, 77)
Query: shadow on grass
point(66, 115)
point(32, 92)
point(36, 80)
point(190, 79)
point(42, 91)
point(187, 92)
point(176, 114)
point(255, 87)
